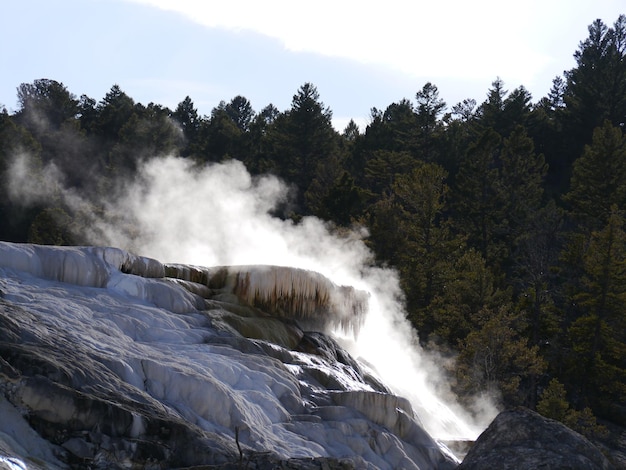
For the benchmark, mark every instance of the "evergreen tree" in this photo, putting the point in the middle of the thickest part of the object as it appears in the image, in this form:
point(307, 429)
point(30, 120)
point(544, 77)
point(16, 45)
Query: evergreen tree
point(549, 138)
point(52, 226)
point(333, 194)
point(597, 183)
point(490, 111)
point(534, 256)
point(496, 356)
point(45, 104)
point(240, 111)
point(431, 248)
point(389, 135)
point(186, 115)
point(219, 137)
point(268, 115)
point(113, 111)
point(504, 111)
point(351, 132)
point(51, 114)
point(596, 87)
point(395, 129)
point(599, 178)
point(516, 112)
point(383, 220)
point(465, 110)
point(469, 290)
point(149, 132)
point(461, 129)
point(597, 363)
point(302, 139)
point(479, 205)
point(534, 259)
point(521, 177)
point(87, 113)
point(383, 168)
point(260, 140)
point(554, 405)
point(555, 100)
point(428, 111)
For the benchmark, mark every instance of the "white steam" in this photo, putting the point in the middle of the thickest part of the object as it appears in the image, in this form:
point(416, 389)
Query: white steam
point(219, 215)
point(29, 184)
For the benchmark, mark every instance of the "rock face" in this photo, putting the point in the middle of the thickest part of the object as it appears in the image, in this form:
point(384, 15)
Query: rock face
point(110, 360)
point(522, 439)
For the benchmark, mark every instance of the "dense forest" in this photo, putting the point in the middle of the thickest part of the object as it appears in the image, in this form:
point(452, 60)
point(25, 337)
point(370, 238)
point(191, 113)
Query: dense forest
point(505, 219)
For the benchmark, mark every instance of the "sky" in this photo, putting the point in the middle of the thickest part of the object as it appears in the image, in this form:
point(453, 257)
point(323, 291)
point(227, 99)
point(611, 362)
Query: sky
point(359, 54)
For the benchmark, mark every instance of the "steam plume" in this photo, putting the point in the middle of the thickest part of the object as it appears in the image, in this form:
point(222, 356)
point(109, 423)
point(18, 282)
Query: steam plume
point(219, 215)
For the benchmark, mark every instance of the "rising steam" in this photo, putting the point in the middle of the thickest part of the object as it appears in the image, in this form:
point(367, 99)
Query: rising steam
point(219, 215)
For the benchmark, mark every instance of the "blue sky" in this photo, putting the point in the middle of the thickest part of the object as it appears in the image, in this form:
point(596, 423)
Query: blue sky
point(359, 54)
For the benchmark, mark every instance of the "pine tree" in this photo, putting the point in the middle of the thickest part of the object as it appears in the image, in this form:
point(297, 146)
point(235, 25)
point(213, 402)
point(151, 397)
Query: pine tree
point(599, 178)
point(431, 248)
point(427, 112)
point(396, 129)
point(113, 112)
point(383, 167)
point(596, 88)
point(45, 101)
point(187, 116)
point(553, 403)
point(598, 361)
point(478, 202)
point(534, 258)
point(351, 131)
point(219, 136)
point(383, 220)
point(302, 139)
point(517, 110)
point(470, 290)
point(496, 356)
point(522, 175)
point(240, 111)
point(490, 111)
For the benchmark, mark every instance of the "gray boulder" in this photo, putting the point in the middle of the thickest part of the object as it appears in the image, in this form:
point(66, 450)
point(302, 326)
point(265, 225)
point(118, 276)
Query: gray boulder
point(522, 439)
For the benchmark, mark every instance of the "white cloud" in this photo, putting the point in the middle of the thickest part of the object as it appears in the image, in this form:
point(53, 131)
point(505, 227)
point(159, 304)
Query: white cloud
point(475, 40)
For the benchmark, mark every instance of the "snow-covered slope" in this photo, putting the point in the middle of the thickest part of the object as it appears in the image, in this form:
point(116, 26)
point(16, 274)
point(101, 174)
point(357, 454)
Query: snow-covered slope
point(108, 360)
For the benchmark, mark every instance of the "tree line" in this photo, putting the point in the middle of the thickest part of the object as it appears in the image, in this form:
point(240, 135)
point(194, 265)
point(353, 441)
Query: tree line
point(505, 219)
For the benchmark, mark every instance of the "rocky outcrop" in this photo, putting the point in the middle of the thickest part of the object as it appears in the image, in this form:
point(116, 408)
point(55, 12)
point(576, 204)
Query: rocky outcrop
point(521, 439)
point(105, 363)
